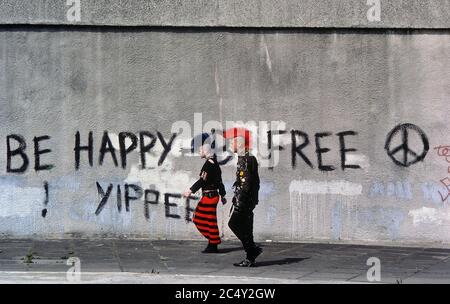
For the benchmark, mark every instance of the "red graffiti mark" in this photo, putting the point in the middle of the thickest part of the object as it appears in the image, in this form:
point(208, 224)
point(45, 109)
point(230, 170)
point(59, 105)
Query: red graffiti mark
point(444, 151)
point(446, 183)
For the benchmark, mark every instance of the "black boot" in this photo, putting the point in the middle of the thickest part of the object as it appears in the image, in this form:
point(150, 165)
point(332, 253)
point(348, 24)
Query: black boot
point(254, 253)
point(250, 261)
point(211, 248)
point(245, 263)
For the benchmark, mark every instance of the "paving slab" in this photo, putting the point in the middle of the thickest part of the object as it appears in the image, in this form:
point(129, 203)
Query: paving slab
point(147, 261)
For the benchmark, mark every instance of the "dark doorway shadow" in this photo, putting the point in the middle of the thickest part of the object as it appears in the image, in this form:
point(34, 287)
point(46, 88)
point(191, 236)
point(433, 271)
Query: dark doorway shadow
point(230, 249)
point(280, 262)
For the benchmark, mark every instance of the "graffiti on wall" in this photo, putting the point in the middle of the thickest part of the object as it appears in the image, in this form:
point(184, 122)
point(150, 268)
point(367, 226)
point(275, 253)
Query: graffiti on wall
point(403, 154)
point(133, 192)
point(444, 153)
point(115, 150)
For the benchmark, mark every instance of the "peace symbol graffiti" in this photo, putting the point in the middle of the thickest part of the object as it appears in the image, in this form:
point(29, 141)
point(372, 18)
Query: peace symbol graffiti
point(402, 154)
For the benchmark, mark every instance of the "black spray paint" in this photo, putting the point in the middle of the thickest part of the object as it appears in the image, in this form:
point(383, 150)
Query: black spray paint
point(169, 204)
point(128, 197)
point(270, 135)
point(344, 150)
point(298, 149)
point(20, 151)
point(148, 201)
point(188, 209)
point(44, 211)
point(78, 148)
point(145, 148)
point(107, 148)
point(320, 151)
point(150, 197)
point(408, 156)
point(103, 197)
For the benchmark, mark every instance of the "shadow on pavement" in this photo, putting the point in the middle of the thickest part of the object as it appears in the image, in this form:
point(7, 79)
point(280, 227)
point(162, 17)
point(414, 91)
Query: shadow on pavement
point(227, 250)
point(280, 262)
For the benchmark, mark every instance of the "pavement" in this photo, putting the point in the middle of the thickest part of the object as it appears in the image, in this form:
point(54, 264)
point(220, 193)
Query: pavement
point(144, 261)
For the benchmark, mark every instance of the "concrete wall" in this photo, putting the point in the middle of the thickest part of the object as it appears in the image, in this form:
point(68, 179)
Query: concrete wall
point(433, 14)
point(388, 87)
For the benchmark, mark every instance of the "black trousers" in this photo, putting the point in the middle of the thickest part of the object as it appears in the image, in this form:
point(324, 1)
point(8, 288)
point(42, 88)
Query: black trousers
point(241, 223)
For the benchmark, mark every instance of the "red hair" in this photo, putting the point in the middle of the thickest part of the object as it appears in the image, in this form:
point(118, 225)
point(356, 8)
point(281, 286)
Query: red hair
point(238, 132)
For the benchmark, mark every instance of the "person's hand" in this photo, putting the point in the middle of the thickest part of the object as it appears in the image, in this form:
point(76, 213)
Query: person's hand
point(187, 193)
point(224, 200)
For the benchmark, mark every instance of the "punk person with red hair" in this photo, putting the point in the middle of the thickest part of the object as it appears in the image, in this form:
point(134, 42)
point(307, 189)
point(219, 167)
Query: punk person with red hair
point(246, 187)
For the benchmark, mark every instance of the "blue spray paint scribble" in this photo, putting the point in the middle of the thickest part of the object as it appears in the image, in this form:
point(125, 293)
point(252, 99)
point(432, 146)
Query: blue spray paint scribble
point(379, 219)
point(399, 189)
point(65, 183)
point(271, 215)
point(265, 191)
point(9, 180)
point(336, 220)
point(430, 191)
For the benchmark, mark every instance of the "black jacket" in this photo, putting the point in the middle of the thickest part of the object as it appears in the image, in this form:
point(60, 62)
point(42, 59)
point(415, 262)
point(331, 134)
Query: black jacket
point(246, 186)
point(210, 177)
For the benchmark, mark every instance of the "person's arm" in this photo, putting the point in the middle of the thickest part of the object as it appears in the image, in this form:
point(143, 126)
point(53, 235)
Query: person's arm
point(222, 191)
point(221, 187)
point(202, 180)
point(197, 185)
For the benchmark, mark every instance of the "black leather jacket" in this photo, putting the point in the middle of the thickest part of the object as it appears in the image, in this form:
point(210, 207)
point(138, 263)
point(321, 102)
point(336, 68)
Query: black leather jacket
point(246, 186)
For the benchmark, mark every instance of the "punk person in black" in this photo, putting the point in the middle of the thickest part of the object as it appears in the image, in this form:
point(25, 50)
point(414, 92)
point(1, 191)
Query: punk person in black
point(245, 198)
point(210, 181)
